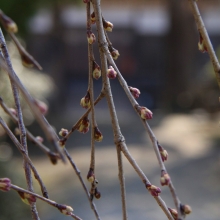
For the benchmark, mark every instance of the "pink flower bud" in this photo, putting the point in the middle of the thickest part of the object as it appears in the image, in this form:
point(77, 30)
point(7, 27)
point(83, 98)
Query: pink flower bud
point(108, 26)
point(13, 111)
point(165, 179)
point(201, 44)
point(154, 190)
point(146, 113)
point(8, 23)
point(97, 135)
point(39, 139)
point(92, 18)
point(111, 73)
point(42, 106)
point(163, 153)
point(27, 198)
point(96, 71)
point(186, 209)
point(134, 91)
point(5, 184)
point(85, 101)
point(65, 209)
point(174, 213)
point(91, 37)
point(63, 132)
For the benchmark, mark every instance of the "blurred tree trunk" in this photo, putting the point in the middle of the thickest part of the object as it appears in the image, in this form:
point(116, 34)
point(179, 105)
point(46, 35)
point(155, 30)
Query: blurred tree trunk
point(181, 51)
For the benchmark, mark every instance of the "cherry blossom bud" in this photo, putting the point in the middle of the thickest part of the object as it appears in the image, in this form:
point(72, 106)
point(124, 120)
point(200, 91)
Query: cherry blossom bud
point(115, 54)
point(86, 1)
point(163, 153)
point(91, 37)
point(5, 184)
point(92, 18)
point(96, 71)
point(13, 111)
point(85, 101)
point(201, 44)
point(186, 209)
point(84, 125)
point(65, 209)
point(108, 26)
point(91, 176)
point(174, 213)
point(27, 198)
point(154, 190)
point(146, 113)
point(8, 23)
point(53, 158)
point(134, 91)
point(42, 106)
point(39, 139)
point(63, 132)
point(62, 143)
point(97, 194)
point(111, 73)
point(165, 179)
point(97, 135)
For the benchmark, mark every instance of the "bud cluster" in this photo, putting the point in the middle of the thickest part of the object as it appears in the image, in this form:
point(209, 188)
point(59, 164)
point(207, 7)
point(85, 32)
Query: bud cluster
point(63, 132)
point(85, 101)
point(27, 198)
point(84, 125)
point(163, 153)
point(5, 184)
point(96, 72)
point(97, 135)
point(165, 178)
point(134, 91)
point(91, 37)
point(8, 23)
point(111, 73)
point(65, 209)
point(154, 190)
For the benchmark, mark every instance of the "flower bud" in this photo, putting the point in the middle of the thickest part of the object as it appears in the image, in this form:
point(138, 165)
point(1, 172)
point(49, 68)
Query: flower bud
point(96, 71)
point(62, 143)
point(92, 18)
point(85, 101)
point(63, 132)
point(115, 54)
point(97, 135)
point(111, 73)
point(86, 1)
point(65, 209)
point(154, 190)
point(186, 209)
point(108, 26)
point(91, 37)
point(84, 125)
point(27, 198)
point(8, 23)
point(97, 194)
point(163, 153)
point(201, 44)
point(5, 184)
point(146, 113)
point(174, 213)
point(165, 179)
point(42, 106)
point(91, 176)
point(53, 158)
point(39, 139)
point(134, 91)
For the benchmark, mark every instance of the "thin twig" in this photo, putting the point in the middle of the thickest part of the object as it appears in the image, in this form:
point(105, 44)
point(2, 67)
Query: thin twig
point(202, 30)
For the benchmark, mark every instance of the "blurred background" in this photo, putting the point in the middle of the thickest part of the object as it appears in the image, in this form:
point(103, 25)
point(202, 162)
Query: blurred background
point(158, 45)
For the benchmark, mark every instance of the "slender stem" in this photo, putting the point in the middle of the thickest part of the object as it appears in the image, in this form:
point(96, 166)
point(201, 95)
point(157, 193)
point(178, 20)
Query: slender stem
point(202, 29)
point(25, 156)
